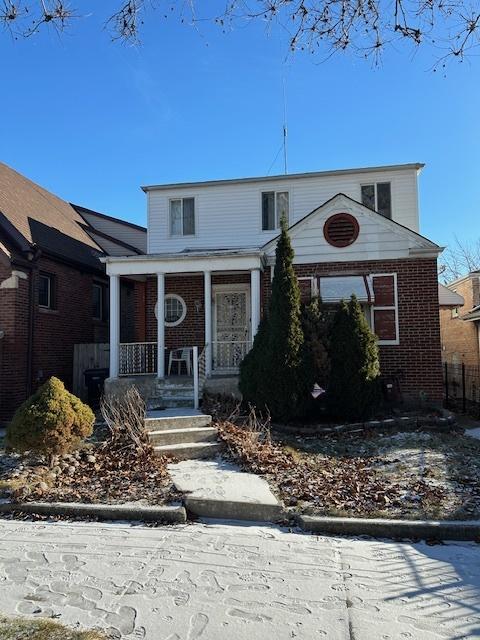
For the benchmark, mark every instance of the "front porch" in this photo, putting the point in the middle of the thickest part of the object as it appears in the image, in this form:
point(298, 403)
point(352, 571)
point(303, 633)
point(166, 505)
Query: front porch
point(198, 313)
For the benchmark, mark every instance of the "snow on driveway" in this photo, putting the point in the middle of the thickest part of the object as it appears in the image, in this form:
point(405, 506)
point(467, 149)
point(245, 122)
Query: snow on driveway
point(220, 581)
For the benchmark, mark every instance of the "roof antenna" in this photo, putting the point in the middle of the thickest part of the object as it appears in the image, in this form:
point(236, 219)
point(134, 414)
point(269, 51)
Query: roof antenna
point(285, 157)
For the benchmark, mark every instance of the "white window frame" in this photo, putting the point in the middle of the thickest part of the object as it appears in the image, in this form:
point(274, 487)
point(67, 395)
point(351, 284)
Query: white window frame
point(49, 290)
point(375, 307)
point(182, 235)
point(375, 186)
point(277, 220)
point(184, 309)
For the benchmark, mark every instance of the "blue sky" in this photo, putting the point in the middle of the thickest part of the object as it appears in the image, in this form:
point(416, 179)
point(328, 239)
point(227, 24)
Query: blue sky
point(92, 120)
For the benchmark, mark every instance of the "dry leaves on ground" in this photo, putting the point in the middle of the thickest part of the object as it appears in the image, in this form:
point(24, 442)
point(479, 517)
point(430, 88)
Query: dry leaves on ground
point(325, 484)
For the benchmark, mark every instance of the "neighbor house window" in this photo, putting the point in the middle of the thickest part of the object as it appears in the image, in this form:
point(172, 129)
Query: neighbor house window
point(46, 291)
point(99, 301)
point(182, 217)
point(378, 197)
point(274, 207)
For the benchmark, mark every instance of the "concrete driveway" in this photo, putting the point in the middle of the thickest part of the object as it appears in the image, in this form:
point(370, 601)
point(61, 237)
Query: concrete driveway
point(232, 582)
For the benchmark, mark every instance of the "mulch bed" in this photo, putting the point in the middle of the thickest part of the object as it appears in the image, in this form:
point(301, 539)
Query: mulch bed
point(95, 474)
point(343, 476)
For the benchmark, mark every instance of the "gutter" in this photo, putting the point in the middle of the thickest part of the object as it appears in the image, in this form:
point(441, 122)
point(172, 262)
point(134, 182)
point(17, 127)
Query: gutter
point(418, 166)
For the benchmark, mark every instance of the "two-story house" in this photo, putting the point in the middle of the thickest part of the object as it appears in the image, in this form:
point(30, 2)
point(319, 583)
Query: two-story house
point(205, 280)
point(460, 322)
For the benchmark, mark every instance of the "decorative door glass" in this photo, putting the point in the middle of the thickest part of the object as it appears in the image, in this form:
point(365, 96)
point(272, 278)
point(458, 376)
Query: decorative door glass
point(231, 343)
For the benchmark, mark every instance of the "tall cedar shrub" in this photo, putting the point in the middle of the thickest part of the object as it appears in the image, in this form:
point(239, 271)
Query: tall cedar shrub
point(316, 359)
point(52, 421)
point(353, 390)
point(271, 374)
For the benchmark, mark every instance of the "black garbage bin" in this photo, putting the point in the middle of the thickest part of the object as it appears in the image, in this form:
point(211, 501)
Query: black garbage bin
point(94, 379)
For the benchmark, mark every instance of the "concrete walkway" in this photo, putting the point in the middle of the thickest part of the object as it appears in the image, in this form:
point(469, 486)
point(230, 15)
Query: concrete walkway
point(218, 489)
point(211, 582)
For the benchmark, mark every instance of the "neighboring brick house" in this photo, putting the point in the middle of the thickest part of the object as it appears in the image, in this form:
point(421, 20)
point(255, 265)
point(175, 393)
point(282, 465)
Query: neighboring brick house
point(206, 278)
point(460, 321)
point(53, 288)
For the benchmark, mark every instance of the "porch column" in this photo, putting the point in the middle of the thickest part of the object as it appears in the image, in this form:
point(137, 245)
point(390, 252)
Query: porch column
point(160, 325)
point(114, 325)
point(207, 286)
point(255, 299)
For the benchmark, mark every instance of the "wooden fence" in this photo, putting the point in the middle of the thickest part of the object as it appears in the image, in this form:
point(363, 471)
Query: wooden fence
point(88, 356)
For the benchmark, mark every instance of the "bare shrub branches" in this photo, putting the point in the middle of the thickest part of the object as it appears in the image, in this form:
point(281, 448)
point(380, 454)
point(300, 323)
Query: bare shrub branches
point(365, 27)
point(125, 417)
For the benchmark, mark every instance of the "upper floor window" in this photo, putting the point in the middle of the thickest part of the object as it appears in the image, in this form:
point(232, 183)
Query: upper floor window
point(378, 197)
point(274, 206)
point(46, 291)
point(182, 217)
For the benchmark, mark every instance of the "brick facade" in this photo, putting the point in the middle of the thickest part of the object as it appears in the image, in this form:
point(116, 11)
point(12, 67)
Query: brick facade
point(417, 357)
point(55, 331)
point(461, 340)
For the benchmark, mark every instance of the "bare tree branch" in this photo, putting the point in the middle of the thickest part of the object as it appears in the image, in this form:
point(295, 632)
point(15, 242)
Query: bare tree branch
point(459, 260)
point(365, 27)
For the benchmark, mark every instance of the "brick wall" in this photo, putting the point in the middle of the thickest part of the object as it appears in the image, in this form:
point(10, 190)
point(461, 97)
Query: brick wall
point(13, 346)
point(54, 335)
point(417, 359)
point(460, 340)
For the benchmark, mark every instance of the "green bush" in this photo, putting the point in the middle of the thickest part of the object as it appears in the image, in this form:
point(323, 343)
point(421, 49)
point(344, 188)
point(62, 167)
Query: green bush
point(52, 421)
point(271, 374)
point(353, 390)
point(316, 359)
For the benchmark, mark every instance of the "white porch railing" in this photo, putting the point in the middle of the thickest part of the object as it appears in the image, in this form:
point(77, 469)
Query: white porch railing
point(140, 358)
point(137, 358)
point(227, 355)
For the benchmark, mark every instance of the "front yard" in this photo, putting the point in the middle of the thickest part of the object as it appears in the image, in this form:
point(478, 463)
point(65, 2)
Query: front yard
point(414, 475)
point(99, 472)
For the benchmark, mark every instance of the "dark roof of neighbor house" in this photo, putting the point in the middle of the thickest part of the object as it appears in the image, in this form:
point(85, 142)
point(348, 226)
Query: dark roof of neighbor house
point(33, 217)
point(285, 176)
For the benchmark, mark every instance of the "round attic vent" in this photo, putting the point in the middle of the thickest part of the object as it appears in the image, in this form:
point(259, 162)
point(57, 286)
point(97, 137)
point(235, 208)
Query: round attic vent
point(341, 230)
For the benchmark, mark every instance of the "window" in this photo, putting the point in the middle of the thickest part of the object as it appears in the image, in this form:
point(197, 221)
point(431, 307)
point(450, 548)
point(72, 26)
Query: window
point(46, 291)
point(175, 310)
point(99, 302)
point(378, 197)
point(274, 206)
point(385, 308)
point(182, 217)
point(455, 309)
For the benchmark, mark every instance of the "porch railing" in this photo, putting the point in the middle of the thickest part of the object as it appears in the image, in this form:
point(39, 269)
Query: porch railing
point(137, 358)
point(227, 355)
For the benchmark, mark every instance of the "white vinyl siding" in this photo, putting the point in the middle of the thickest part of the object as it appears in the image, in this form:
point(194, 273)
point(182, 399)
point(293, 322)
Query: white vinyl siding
point(230, 215)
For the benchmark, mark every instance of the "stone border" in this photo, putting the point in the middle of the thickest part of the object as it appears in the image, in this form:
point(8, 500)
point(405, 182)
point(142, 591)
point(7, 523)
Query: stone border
point(464, 530)
point(445, 423)
point(166, 515)
point(234, 510)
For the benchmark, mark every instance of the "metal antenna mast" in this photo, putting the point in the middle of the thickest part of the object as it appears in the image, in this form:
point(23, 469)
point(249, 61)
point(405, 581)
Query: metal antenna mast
point(285, 132)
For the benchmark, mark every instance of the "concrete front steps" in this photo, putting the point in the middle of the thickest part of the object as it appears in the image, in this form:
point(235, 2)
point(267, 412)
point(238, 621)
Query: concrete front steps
point(183, 433)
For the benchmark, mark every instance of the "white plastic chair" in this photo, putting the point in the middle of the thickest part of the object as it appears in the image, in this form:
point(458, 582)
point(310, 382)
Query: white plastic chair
point(179, 356)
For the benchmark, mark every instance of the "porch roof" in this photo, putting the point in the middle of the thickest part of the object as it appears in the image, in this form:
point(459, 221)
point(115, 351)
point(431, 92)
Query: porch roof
point(185, 262)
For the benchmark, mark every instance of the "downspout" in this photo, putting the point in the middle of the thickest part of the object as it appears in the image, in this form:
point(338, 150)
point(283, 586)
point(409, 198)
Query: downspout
point(33, 258)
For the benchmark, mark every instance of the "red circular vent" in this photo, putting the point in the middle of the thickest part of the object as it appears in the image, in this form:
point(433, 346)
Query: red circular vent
point(341, 230)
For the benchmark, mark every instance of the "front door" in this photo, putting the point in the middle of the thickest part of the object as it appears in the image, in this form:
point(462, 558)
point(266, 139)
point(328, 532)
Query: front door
point(231, 327)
